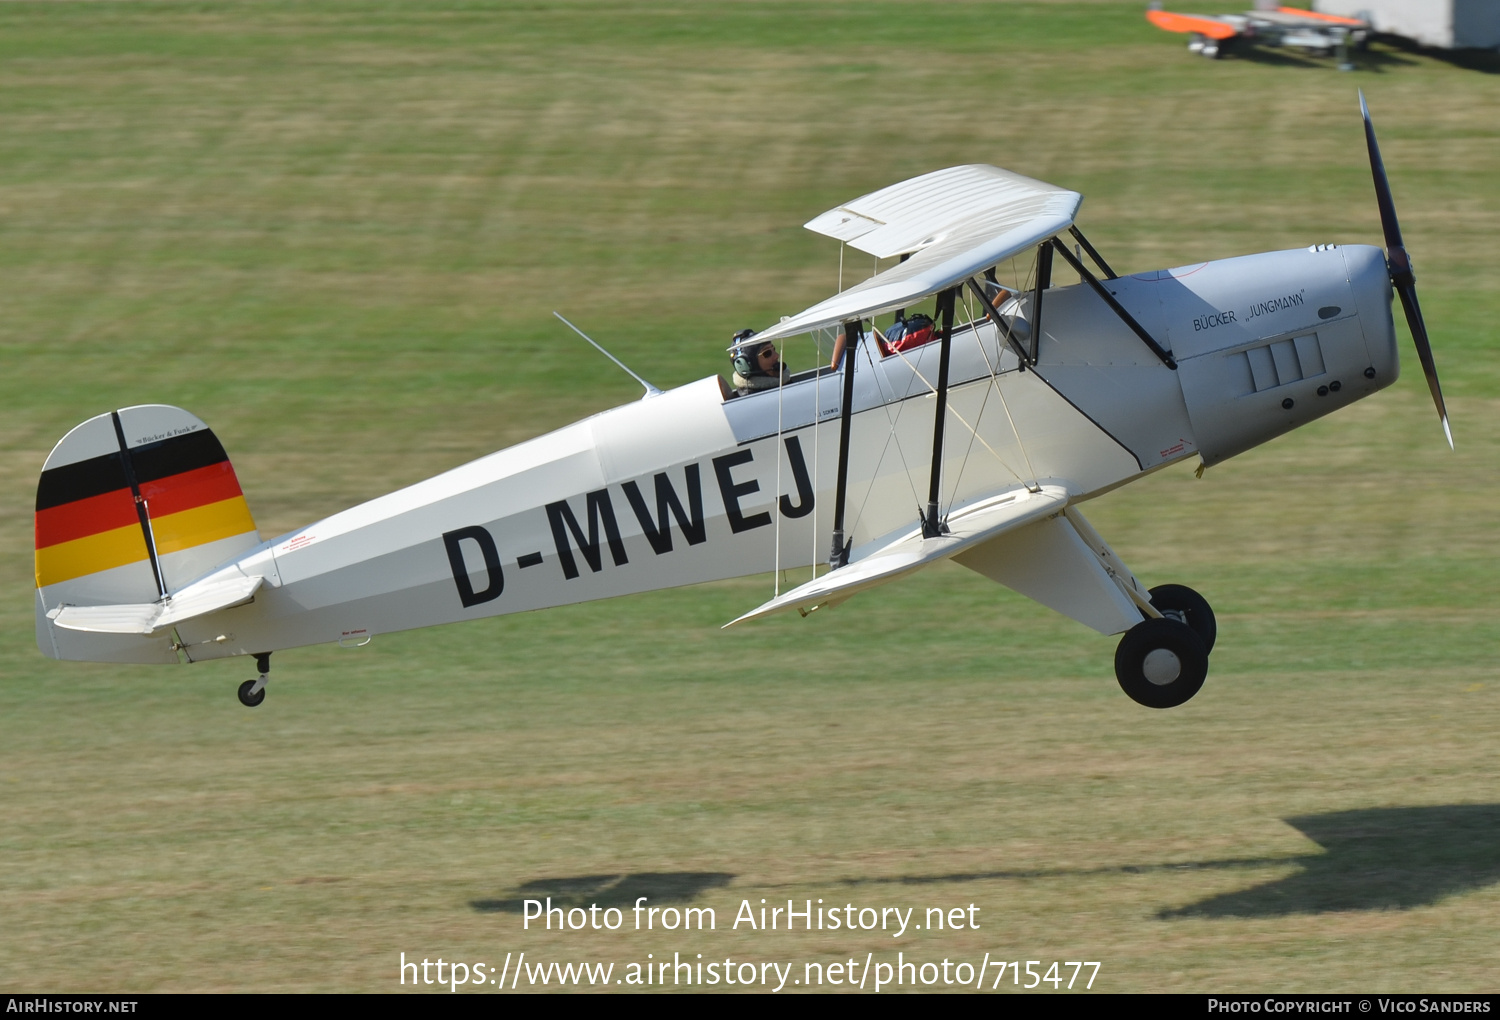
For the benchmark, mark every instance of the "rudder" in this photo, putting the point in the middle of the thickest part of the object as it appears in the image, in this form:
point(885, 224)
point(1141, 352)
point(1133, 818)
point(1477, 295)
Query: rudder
point(131, 506)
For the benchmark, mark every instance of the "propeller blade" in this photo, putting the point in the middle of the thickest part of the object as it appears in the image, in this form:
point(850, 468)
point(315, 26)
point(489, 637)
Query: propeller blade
point(1388, 222)
point(1403, 277)
point(1424, 353)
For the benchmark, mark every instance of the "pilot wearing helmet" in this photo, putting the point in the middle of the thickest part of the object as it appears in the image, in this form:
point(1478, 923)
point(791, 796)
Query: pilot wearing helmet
point(757, 365)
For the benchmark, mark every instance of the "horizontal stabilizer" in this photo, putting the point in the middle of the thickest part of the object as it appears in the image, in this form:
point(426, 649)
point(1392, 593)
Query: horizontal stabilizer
point(910, 551)
point(150, 617)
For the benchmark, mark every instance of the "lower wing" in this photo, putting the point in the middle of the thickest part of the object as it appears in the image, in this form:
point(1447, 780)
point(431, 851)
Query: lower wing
point(1029, 541)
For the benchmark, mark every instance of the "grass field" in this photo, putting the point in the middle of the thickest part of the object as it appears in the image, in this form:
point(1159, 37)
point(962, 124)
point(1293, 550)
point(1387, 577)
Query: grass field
point(337, 230)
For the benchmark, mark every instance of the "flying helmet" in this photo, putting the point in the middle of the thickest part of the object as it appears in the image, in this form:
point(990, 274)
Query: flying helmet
point(743, 352)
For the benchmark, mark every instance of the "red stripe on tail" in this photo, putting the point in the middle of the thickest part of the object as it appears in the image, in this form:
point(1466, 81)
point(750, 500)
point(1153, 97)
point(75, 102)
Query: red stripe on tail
point(84, 517)
point(190, 489)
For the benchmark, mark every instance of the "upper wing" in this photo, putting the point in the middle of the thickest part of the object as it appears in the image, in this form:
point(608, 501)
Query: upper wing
point(909, 551)
point(1199, 23)
point(953, 223)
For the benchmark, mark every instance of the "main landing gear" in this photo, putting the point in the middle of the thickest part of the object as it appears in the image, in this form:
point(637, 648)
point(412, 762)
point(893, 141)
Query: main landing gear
point(1202, 44)
point(253, 692)
point(1161, 663)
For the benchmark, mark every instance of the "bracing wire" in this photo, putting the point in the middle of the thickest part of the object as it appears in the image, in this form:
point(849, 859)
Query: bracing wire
point(890, 437)
point(964, 421)
point(983, 404)
point(817, 418)
point(1030, 480)
point(780, 449)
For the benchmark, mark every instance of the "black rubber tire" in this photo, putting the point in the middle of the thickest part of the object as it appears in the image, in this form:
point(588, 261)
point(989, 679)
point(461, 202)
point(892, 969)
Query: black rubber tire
point(251, 700)
point(1154, 636)
point(1196, 611)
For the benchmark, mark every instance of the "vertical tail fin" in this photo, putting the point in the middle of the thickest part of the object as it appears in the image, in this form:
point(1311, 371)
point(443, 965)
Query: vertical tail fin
point(133, 505)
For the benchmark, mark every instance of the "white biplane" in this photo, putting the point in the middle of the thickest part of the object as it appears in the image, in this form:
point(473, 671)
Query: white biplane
point(980, 446)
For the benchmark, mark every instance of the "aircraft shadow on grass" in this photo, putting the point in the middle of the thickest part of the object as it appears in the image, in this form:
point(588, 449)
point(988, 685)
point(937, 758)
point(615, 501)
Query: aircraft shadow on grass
point(661, 887)
point(1374, 859)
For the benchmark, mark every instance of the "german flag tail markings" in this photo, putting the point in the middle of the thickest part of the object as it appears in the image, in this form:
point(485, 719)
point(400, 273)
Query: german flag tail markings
point(132, 506)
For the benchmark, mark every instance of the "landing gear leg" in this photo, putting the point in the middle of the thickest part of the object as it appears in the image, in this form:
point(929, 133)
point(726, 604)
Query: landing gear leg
point(1181, 603)
point(1161, 662)
point(1202, 44)
point(253, 692)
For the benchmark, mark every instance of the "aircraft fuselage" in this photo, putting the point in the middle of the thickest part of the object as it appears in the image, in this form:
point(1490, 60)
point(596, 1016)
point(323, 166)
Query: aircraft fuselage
point(690, 486)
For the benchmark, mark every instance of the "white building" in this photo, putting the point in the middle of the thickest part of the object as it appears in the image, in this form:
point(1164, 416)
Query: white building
point(1448, 24)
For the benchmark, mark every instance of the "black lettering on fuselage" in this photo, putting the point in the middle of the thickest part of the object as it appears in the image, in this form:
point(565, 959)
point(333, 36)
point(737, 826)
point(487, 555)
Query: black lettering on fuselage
point(658, 530)
point(1213, 319)
point(482, 538)
point(732, 492)
point(799, 476)
point(1276, 304)
point(600, 511)
point(568, 533)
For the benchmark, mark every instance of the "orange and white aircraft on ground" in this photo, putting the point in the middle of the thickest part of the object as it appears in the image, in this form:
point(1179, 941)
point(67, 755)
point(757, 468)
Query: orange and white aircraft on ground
point(1215, 34)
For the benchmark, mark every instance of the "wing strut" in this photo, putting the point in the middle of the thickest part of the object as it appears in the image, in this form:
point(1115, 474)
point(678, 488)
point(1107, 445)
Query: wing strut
point(993, 314)
point(1109, 299)
point(932, 526)
point(853, 334)
point(1109, 274)
point(1043, 281)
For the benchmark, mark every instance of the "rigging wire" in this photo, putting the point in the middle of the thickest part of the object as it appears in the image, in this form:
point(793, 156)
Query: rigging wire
point(890, 436)
point(962, 420)
point(780, 447)
point(978, 418)
point(817, 418)
point(995, 384)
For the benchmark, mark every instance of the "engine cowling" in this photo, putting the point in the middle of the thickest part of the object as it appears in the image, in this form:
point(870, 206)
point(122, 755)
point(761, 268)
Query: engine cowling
point(1266, 343)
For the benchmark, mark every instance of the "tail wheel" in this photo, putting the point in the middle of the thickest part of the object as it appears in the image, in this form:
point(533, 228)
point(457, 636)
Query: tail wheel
point(1180, 601)
point(1161, 663)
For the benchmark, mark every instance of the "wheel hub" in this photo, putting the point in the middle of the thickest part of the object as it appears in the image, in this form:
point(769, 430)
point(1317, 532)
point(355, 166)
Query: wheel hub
point(1161, 666)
